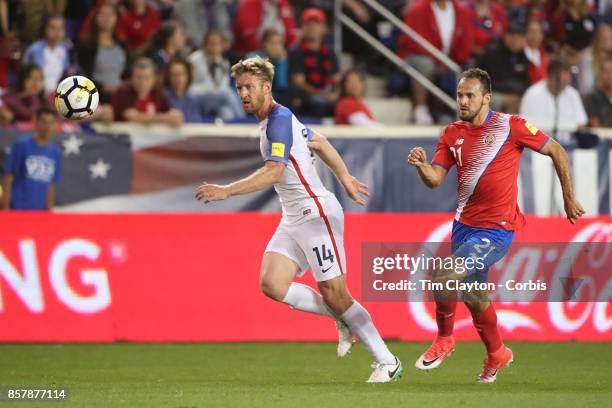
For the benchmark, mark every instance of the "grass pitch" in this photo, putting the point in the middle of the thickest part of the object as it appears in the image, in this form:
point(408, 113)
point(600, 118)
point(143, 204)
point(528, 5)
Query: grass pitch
point(301, 375)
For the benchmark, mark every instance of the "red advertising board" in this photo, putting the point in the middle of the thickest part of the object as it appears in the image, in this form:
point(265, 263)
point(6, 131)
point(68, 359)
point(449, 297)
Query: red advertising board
point(191, 277)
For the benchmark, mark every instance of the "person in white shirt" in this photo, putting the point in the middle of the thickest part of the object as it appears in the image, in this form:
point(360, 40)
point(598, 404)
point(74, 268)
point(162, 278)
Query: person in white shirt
point(51, 53)
point(553, 105)
point(211, 79)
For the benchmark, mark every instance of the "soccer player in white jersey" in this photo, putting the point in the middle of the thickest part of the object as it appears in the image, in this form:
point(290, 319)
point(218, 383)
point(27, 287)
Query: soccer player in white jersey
point(310, 234)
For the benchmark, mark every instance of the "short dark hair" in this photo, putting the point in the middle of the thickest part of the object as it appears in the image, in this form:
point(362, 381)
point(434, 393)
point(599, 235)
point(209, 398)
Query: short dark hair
point(481, 75)
point(45, 110)
point(210, 33)
point(557, 65)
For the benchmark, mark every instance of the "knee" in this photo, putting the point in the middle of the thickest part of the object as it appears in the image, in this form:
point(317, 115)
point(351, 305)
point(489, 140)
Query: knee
point(274, 290)
point(336, 297)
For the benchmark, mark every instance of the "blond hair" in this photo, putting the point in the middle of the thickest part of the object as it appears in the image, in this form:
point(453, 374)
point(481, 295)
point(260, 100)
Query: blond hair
point(260, 67)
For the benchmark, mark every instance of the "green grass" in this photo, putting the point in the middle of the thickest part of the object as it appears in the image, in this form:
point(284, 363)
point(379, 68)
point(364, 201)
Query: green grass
point(302, 375)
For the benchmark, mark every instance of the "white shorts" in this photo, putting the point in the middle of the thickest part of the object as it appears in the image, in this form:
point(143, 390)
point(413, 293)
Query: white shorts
point(317, 243)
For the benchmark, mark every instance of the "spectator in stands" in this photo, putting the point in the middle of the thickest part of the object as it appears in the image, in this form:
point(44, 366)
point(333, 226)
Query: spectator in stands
point(9, 56)
point(33, 167)
point(599, 103)
point(137, 25)
point(509, 68)
point(139, 100)
point(51, 53)
point(253, 17)
point(522, 11)
point(573, 25)
point(167, 43)
point(273, 48)
point(593, 57)
point(177, 80)
point(75, 13)
point(29, 16)
point(534, 50)
point(488, 21)
point(91, 17)
point(364, 56)
point(200, 16)
point(350, 108)
point(553, 104)
point(314, 67)
point(101, 55)
point(28, 97)
point(446, 25)
point(211, 79)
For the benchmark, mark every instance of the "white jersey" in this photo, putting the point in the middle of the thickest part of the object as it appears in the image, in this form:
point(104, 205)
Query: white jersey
point(284, 138)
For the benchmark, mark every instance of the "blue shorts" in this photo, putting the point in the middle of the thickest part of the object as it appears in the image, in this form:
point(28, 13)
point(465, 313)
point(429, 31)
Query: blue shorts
point(489, 245)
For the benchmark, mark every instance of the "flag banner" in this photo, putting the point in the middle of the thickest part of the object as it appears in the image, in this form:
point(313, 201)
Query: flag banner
point(141, 172)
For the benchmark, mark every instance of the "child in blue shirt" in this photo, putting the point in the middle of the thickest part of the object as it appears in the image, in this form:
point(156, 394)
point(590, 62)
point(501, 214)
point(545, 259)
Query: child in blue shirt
point(33, 166)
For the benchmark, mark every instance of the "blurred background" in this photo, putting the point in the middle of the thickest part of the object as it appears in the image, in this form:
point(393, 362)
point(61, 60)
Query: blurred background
point(123, 251)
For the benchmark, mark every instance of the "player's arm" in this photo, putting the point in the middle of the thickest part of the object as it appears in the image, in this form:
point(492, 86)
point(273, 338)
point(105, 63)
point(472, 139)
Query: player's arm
point(7, 188)
point(268, 175)
point(50, 197)
point(329, 155)
point(557, 153)
point(432, 175)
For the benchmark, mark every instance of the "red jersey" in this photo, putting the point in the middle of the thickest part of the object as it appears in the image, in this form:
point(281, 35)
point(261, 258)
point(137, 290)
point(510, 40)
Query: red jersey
point(487, 159)
point(347, 106)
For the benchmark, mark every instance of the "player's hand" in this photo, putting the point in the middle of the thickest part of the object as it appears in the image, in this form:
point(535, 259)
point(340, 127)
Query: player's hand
point(573, 210)
point(417, 157)
point(212, 192)
point(355, 189)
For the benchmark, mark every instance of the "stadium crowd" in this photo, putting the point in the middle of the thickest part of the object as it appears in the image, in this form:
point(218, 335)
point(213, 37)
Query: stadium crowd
point(168, 61)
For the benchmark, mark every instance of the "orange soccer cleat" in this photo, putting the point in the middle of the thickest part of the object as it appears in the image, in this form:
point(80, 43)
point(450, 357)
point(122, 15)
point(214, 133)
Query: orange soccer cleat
point(493, 363)
point(441, 348)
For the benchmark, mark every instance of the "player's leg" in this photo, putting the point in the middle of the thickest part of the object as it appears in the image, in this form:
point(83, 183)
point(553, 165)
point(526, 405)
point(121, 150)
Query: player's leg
point(490, 245)
point(276, 282)
point(322, 240)
point(387, 367)
point(446, 304)
point(444, 342)
point(485, 322)
point(284, 260)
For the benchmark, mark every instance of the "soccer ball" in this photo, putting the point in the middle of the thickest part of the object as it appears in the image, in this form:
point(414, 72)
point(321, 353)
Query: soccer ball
point(76, 97)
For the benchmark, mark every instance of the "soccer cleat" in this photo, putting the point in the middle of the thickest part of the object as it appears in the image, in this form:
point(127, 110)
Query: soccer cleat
point(441, 348)
point(345, 339)
point(493, 363)
point(386, 372)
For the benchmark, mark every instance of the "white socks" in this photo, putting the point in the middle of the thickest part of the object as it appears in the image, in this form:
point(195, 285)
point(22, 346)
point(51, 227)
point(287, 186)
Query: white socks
point(302, 297)
point(360, 323)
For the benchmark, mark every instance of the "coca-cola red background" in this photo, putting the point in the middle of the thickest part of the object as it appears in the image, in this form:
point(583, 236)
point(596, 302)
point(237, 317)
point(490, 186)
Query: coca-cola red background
point(179, 277)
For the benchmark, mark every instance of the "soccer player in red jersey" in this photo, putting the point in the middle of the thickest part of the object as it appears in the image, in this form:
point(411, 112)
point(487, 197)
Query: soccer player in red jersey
point(486, 147)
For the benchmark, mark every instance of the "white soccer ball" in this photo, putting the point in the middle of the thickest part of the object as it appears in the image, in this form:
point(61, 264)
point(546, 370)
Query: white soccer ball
point(76, 97)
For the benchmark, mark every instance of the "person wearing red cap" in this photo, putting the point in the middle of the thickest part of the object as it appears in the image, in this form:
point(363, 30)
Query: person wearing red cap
point(254, 17)
point(314, 67)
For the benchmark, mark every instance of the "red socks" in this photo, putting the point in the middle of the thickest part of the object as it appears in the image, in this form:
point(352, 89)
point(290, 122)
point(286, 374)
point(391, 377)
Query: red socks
point(485, 323)
point(445, 317)
point(486, 326)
